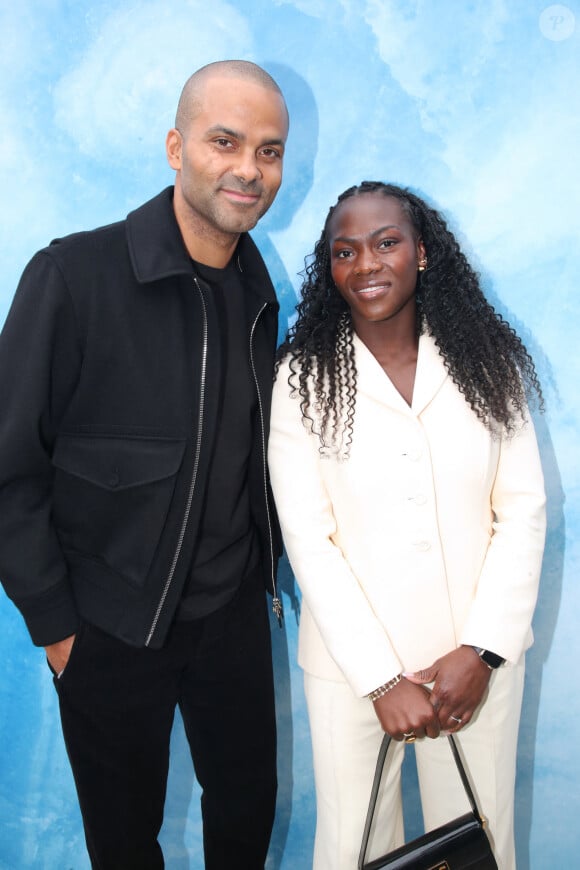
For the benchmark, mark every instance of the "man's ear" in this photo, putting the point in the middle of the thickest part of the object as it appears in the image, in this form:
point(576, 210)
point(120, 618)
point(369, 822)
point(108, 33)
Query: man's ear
point(173, 146)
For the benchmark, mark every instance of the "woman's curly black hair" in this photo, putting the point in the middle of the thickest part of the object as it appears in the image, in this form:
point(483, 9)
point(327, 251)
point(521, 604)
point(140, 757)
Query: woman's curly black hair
point(482, 353)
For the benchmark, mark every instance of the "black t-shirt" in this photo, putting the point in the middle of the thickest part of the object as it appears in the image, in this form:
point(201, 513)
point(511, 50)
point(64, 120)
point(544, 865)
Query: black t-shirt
point(226, 549)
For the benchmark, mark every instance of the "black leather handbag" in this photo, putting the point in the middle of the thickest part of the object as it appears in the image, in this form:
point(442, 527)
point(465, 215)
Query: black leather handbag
point(458, 845)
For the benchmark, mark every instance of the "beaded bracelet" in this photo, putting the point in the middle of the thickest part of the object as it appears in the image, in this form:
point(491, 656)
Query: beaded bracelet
point(382, 690)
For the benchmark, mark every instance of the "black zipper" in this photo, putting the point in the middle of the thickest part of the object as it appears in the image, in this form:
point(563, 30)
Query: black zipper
point(276, 602)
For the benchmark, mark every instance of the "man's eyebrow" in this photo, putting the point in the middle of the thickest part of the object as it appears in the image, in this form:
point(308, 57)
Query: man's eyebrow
point(241, 137)
point(217, 128)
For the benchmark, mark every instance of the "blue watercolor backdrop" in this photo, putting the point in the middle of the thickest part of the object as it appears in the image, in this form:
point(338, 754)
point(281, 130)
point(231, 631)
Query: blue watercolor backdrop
point(473, 105)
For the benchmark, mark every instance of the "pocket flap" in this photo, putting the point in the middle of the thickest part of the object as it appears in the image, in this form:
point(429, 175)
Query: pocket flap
point(118, 463)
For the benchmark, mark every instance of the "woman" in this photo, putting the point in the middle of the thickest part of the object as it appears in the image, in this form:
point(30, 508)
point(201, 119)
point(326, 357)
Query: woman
point(410, 493)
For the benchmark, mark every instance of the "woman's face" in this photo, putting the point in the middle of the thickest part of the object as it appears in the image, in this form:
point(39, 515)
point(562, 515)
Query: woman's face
point(374, 256)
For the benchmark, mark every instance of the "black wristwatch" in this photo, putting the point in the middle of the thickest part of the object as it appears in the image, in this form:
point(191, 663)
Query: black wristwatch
point(492, 660)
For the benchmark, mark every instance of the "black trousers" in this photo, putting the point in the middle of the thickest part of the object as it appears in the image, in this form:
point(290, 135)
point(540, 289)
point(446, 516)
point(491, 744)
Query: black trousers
point(117, 705)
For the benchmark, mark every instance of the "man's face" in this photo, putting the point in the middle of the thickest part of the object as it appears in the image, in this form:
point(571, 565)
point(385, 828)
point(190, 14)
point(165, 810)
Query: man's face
point(229, 159)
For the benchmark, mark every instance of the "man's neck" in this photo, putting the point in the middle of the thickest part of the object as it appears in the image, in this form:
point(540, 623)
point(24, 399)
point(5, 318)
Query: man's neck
point(206, 251)
point(204, 244)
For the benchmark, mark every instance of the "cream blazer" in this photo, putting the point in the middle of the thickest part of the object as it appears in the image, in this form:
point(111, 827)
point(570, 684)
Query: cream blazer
point(429, 536)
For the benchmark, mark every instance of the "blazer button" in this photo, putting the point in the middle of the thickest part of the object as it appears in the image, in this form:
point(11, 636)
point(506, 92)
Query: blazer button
point(422, 546)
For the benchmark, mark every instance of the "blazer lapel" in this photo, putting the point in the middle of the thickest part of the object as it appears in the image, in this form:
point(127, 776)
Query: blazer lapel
point(372, 380)
point(430, 377)
point(431, 374)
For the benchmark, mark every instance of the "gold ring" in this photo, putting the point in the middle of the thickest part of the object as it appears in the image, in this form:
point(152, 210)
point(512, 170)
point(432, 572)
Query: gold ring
point(410, 737)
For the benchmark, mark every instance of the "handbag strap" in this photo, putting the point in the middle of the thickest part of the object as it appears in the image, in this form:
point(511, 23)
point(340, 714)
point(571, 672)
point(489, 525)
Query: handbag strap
point(377, 782)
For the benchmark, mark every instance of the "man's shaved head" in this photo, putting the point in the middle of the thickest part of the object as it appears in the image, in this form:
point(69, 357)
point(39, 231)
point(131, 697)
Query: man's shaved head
point(227, 150)
point(191, 95)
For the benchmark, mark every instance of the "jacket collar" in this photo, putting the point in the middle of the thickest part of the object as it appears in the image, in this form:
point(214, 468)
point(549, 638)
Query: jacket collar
point(155, 244)
point(157, 251)
point(430, 376)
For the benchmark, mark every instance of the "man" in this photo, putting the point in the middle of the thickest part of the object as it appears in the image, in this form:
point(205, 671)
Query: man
point(136, 524)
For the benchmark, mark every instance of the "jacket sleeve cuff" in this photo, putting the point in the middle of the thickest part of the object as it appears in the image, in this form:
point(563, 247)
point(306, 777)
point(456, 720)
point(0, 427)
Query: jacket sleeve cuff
point(50, 617)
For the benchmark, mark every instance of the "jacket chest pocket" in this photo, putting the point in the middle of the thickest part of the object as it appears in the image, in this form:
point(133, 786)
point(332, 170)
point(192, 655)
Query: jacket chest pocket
point(111, 499)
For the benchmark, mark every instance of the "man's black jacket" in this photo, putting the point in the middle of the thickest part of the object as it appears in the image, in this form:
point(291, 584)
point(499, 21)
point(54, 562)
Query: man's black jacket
point(106, 426)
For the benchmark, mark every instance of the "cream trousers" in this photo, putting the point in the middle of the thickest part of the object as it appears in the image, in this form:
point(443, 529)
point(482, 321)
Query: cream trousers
point(346, 736)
